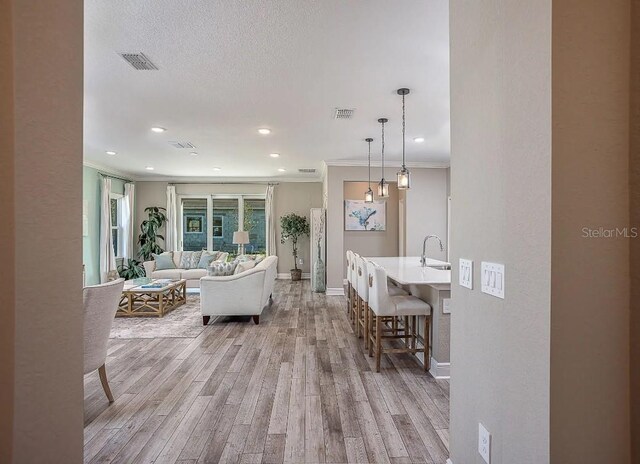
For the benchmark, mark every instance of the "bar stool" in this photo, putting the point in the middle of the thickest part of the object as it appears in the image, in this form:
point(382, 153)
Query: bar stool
point(355, 300)
point(349, 253)
point(385, 308)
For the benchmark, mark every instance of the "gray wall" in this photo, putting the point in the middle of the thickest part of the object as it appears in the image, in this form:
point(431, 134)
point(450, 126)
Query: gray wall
point(369, 243)
point(41, 386)
point(299, 198)
point(501, 199)
point(546, 370)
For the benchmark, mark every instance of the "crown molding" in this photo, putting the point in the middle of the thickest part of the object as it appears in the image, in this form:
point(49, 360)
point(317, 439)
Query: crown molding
point(389, 164)
point(226, 180)
point(107, 170)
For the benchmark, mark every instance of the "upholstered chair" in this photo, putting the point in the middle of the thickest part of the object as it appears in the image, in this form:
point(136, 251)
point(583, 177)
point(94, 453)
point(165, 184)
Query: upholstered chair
point(100, 306)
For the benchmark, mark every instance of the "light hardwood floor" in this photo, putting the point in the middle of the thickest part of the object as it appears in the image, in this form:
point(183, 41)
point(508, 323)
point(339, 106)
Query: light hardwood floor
point(297, 388)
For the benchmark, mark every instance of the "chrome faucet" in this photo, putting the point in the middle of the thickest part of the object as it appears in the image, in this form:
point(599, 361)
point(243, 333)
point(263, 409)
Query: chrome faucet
point(423, 258)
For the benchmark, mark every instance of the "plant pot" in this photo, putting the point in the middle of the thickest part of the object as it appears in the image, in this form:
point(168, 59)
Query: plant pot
point(296, 274)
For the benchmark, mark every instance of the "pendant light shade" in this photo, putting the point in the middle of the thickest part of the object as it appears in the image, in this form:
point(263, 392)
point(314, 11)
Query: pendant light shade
point(404, 176)
point(368, 195)
point(383, 185)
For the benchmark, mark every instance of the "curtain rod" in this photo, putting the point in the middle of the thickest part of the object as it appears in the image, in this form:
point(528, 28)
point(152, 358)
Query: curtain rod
point(224, 183)
point(111, 176)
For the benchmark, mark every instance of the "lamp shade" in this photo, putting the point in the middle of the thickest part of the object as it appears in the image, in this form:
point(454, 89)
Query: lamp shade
point(240, 237)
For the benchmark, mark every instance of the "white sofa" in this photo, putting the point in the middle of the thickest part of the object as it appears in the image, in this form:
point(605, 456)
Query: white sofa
point(192, 276)
point(243, 294)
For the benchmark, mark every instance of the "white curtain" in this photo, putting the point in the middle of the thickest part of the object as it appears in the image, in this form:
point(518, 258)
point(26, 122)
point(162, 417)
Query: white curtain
point(107, 254)
point(127, 212)
point(171, 234)
point(270, 217)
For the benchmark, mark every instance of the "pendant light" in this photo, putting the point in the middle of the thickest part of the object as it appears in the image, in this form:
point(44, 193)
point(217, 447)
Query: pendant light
point(383, 185)
point(404, 176)
point(368, 195)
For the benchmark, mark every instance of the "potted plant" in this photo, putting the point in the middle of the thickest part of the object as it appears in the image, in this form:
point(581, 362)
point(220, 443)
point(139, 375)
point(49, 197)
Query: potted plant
point(130, 270)
point(149, 228)
point(293, 227)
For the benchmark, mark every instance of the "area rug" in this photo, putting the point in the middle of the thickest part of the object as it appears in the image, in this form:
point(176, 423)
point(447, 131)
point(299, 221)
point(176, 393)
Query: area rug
point(182, 322)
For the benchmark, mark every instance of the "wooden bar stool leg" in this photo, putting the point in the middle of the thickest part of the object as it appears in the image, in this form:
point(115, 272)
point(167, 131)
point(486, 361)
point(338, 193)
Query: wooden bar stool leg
point(357, 314)
point(406, 331)
point(372, 320)
point(378, 342)
point(427, 358)
point(366, 324)
point(413, 332)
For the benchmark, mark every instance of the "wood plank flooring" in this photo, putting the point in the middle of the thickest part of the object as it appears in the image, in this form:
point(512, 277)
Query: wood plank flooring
point(296, 388)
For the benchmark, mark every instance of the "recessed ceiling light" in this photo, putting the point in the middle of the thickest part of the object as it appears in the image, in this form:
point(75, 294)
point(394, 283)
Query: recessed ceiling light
point(264, 131)
point(274, 155)
point(158, 129)
point(217, 169)
point(282, 170)
point(193, 153)
point(418, 139)
point(149, 168)
point(111, 153)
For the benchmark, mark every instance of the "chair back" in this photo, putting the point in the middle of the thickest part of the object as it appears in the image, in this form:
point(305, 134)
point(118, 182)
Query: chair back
point(349, 258)
point(100, 306)
point(353, 270)
point(362, 277)
point(379, 300)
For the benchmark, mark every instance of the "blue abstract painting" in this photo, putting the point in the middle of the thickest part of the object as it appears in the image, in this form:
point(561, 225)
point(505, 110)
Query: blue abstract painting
point(359, 215)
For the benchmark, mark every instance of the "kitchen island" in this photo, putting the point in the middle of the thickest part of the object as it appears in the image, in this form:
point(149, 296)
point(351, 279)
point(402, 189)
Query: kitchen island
point(431, 283)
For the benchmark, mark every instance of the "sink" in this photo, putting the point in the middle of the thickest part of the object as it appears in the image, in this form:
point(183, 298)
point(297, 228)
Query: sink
point(440, 267)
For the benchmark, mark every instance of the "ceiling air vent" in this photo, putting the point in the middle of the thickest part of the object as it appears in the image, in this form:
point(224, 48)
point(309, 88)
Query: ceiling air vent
point(139, 61)
point(306, 170)
point(343, 113)
point(176, 144)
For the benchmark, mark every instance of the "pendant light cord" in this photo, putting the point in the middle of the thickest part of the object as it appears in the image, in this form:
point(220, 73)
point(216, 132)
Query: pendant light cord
point(369, 165)
point(383, 151)
point(403, 131)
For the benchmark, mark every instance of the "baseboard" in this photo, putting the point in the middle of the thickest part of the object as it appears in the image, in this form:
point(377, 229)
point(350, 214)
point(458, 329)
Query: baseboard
point(335, 291)
point(287, 276)
point(440, 370)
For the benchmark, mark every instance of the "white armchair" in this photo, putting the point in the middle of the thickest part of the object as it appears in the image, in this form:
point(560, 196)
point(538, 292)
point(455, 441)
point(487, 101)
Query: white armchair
point(244, 294)
point(100, 306)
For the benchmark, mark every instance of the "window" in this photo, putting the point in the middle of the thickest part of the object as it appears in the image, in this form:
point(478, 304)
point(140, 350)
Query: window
point(209, 221)
point(218, 226)
point(116, 226)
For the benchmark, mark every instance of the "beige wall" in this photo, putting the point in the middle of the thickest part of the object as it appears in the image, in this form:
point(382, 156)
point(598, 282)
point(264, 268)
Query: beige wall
point(43, 161)
point(7, 242)
point(367, 243)
point(423, 203)
point(501, 199)
point(299, 198)
point(545, 369)
point(589, 277)
point(634, 208)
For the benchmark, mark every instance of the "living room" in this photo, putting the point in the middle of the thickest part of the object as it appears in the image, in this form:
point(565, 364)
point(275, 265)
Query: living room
point(319, 231)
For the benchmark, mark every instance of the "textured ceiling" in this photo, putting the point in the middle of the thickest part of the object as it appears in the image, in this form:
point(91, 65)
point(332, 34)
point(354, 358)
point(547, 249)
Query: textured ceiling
point(229, 67)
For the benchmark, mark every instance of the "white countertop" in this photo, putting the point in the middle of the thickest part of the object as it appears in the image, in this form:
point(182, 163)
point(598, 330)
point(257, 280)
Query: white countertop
point(407, 270)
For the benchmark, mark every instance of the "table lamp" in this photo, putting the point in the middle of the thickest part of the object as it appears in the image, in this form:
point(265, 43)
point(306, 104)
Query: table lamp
point(241, 238)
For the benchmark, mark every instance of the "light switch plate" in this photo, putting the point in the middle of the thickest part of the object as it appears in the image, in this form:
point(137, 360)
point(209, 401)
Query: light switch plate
point(492, 275)
point(484, 443)
point(465, 275)
point(446, 306)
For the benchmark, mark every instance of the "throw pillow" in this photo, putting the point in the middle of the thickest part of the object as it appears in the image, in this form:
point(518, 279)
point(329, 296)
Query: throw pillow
point(190, 259)
point(244, 266)
point(207, 258)
point(222, 269)
point(164, 261)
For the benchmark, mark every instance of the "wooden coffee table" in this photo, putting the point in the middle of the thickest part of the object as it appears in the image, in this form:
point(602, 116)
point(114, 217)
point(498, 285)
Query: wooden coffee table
point(154, 302)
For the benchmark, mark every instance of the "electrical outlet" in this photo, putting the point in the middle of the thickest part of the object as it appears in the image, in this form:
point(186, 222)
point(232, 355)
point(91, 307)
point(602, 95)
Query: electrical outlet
point(484, 443)
point(446, 306)
point(465, 274)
